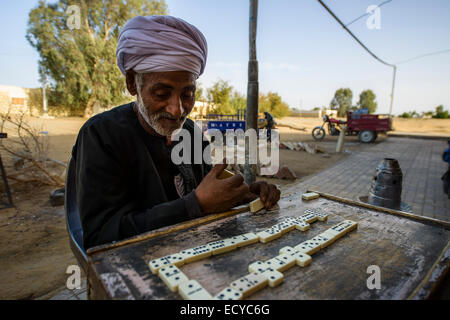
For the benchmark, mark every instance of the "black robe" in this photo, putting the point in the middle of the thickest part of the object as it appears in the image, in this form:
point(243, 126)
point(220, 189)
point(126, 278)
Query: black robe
point(122, 190)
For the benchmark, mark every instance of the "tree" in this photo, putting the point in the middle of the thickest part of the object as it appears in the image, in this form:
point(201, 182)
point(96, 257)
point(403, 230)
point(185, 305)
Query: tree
point(219, 96)
point(77, 48)
point(405, 115)
point(238, 101)
point(199, 92)
point(342, 101)
point(367, 100)
point(273, 103)
point(440, 113)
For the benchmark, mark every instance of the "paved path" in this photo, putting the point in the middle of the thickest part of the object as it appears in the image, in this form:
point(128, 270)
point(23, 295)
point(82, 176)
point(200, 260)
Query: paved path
point(421, 164)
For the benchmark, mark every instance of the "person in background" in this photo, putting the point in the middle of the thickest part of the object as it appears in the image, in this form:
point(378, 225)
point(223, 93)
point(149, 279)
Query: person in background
point(446, 177)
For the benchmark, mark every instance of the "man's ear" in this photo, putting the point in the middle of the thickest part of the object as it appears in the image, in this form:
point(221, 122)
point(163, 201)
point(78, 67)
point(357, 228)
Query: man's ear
point(131, 82)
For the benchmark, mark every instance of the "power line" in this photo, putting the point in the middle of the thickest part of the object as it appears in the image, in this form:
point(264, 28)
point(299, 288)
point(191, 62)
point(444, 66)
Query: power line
point(381, 4)
point(354, 37)
point(424, 55)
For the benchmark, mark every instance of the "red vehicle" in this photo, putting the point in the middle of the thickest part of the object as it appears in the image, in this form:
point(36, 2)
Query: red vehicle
point(366, 126)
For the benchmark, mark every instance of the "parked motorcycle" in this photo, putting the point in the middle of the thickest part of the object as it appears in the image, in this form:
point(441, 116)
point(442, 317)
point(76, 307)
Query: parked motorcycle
point(334, 128)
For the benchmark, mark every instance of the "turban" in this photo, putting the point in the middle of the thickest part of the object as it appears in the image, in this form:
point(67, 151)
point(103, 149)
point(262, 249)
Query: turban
point(160, 44)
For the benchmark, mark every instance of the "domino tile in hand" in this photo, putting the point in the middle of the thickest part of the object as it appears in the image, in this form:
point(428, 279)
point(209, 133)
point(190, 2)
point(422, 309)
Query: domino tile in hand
point(256, 205)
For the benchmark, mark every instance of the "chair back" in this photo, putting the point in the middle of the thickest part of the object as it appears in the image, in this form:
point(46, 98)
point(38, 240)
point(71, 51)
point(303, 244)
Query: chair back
point(73, 221)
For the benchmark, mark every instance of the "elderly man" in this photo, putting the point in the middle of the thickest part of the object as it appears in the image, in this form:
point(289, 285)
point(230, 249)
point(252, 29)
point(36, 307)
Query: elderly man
point(126, 181)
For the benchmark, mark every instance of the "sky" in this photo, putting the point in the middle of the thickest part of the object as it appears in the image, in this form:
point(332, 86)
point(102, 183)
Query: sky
point(303, 53)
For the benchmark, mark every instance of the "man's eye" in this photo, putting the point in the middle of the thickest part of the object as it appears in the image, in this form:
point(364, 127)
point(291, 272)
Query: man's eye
point(162, 95)
point(188, 95)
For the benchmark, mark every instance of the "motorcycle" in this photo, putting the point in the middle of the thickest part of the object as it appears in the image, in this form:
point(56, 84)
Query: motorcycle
point(334, 128)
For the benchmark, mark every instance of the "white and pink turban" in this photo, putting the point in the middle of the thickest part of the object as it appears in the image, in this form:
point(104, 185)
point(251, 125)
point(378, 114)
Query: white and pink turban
point(160, 44)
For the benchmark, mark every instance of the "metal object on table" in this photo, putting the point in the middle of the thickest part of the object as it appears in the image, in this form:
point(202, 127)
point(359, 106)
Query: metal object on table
point(386, 187)
point(8, 204)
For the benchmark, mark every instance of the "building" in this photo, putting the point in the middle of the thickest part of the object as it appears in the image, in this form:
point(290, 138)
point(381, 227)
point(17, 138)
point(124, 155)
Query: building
point(200, 110)
point(14, 99)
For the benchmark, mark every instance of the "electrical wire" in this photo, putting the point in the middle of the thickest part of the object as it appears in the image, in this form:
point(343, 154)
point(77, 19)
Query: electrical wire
point(423, 55)
point(354, 37)
point(381, 4)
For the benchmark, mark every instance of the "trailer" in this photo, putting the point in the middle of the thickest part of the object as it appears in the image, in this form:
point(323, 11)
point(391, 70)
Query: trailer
point(366, 126)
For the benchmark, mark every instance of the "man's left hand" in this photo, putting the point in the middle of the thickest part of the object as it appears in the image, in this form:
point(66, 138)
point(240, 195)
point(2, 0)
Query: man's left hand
point(268, 193)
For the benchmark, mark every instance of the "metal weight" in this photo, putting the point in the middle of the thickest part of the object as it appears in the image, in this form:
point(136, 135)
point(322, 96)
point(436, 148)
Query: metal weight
point(386, 187)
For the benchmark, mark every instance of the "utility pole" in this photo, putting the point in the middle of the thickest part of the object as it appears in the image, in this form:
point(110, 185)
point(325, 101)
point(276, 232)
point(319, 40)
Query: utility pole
point(392, 91)
point(44, 95)
point(251, 121)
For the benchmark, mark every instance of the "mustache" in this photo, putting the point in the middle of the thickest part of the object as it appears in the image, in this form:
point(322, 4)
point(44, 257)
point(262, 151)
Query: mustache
point(165, 115)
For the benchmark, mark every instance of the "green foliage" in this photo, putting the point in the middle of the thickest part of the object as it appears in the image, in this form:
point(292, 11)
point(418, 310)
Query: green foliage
point(342, 101)
point(225, 100)
point(441, 113)
point(238, 101)
point(35, 98)
point(219, 96)
point(273, 103)
point(367, 100)
point(199, 92)
point(405, 115)
point(80, 64)
point(410, 114)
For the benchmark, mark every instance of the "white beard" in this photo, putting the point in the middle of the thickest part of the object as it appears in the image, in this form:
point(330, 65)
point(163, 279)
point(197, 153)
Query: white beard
point(152, 119)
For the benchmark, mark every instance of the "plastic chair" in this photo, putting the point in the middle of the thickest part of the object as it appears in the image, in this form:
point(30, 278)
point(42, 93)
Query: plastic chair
point(73, 221)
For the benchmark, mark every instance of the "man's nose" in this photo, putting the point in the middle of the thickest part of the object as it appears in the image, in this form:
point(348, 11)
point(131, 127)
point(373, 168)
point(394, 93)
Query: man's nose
point(175, 107)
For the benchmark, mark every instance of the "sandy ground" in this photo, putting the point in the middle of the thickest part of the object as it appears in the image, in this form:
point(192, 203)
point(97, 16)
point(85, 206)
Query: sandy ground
point(34, 247)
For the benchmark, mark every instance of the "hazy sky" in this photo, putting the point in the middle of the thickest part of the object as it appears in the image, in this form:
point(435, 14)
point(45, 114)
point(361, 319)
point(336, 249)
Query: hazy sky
point(303, 53)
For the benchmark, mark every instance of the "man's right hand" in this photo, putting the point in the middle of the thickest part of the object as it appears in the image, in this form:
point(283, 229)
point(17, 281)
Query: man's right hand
point(217, 195)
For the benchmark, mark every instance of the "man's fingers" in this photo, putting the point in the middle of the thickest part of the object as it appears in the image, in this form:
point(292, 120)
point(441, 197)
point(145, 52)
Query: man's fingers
point(263, 192)
point(274, 196)
point(236, 180)
point(242, 191)
point(218, 169)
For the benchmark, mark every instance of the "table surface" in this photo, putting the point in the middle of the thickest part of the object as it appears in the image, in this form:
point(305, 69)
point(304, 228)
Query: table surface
point(405, 250)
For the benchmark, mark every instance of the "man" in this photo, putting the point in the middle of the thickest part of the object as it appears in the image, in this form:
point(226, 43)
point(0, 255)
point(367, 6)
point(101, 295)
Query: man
point(269, 126)
point(126, 181)
point(446, 177)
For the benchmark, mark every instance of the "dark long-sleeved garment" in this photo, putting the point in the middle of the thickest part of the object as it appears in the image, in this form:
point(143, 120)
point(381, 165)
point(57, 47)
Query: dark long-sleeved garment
point(125, 178)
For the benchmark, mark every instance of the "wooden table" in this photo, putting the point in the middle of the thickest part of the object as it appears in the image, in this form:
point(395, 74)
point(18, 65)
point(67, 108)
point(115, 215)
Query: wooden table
point(413, 255)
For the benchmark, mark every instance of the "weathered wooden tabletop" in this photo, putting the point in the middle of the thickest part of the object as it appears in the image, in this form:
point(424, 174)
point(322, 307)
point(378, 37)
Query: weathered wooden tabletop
point(406, 251)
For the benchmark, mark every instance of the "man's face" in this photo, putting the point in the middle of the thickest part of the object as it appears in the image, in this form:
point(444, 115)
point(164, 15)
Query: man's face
point(165, 99)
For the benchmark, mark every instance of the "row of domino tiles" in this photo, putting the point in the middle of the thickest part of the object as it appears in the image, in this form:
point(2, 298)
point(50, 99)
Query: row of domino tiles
point(167, 267)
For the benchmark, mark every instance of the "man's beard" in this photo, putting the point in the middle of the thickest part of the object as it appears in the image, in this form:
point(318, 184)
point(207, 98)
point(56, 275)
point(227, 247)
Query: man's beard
point(152, 119)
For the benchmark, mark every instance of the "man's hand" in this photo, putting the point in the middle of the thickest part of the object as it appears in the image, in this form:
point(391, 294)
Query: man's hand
point(268, 193)
point(217, 195)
